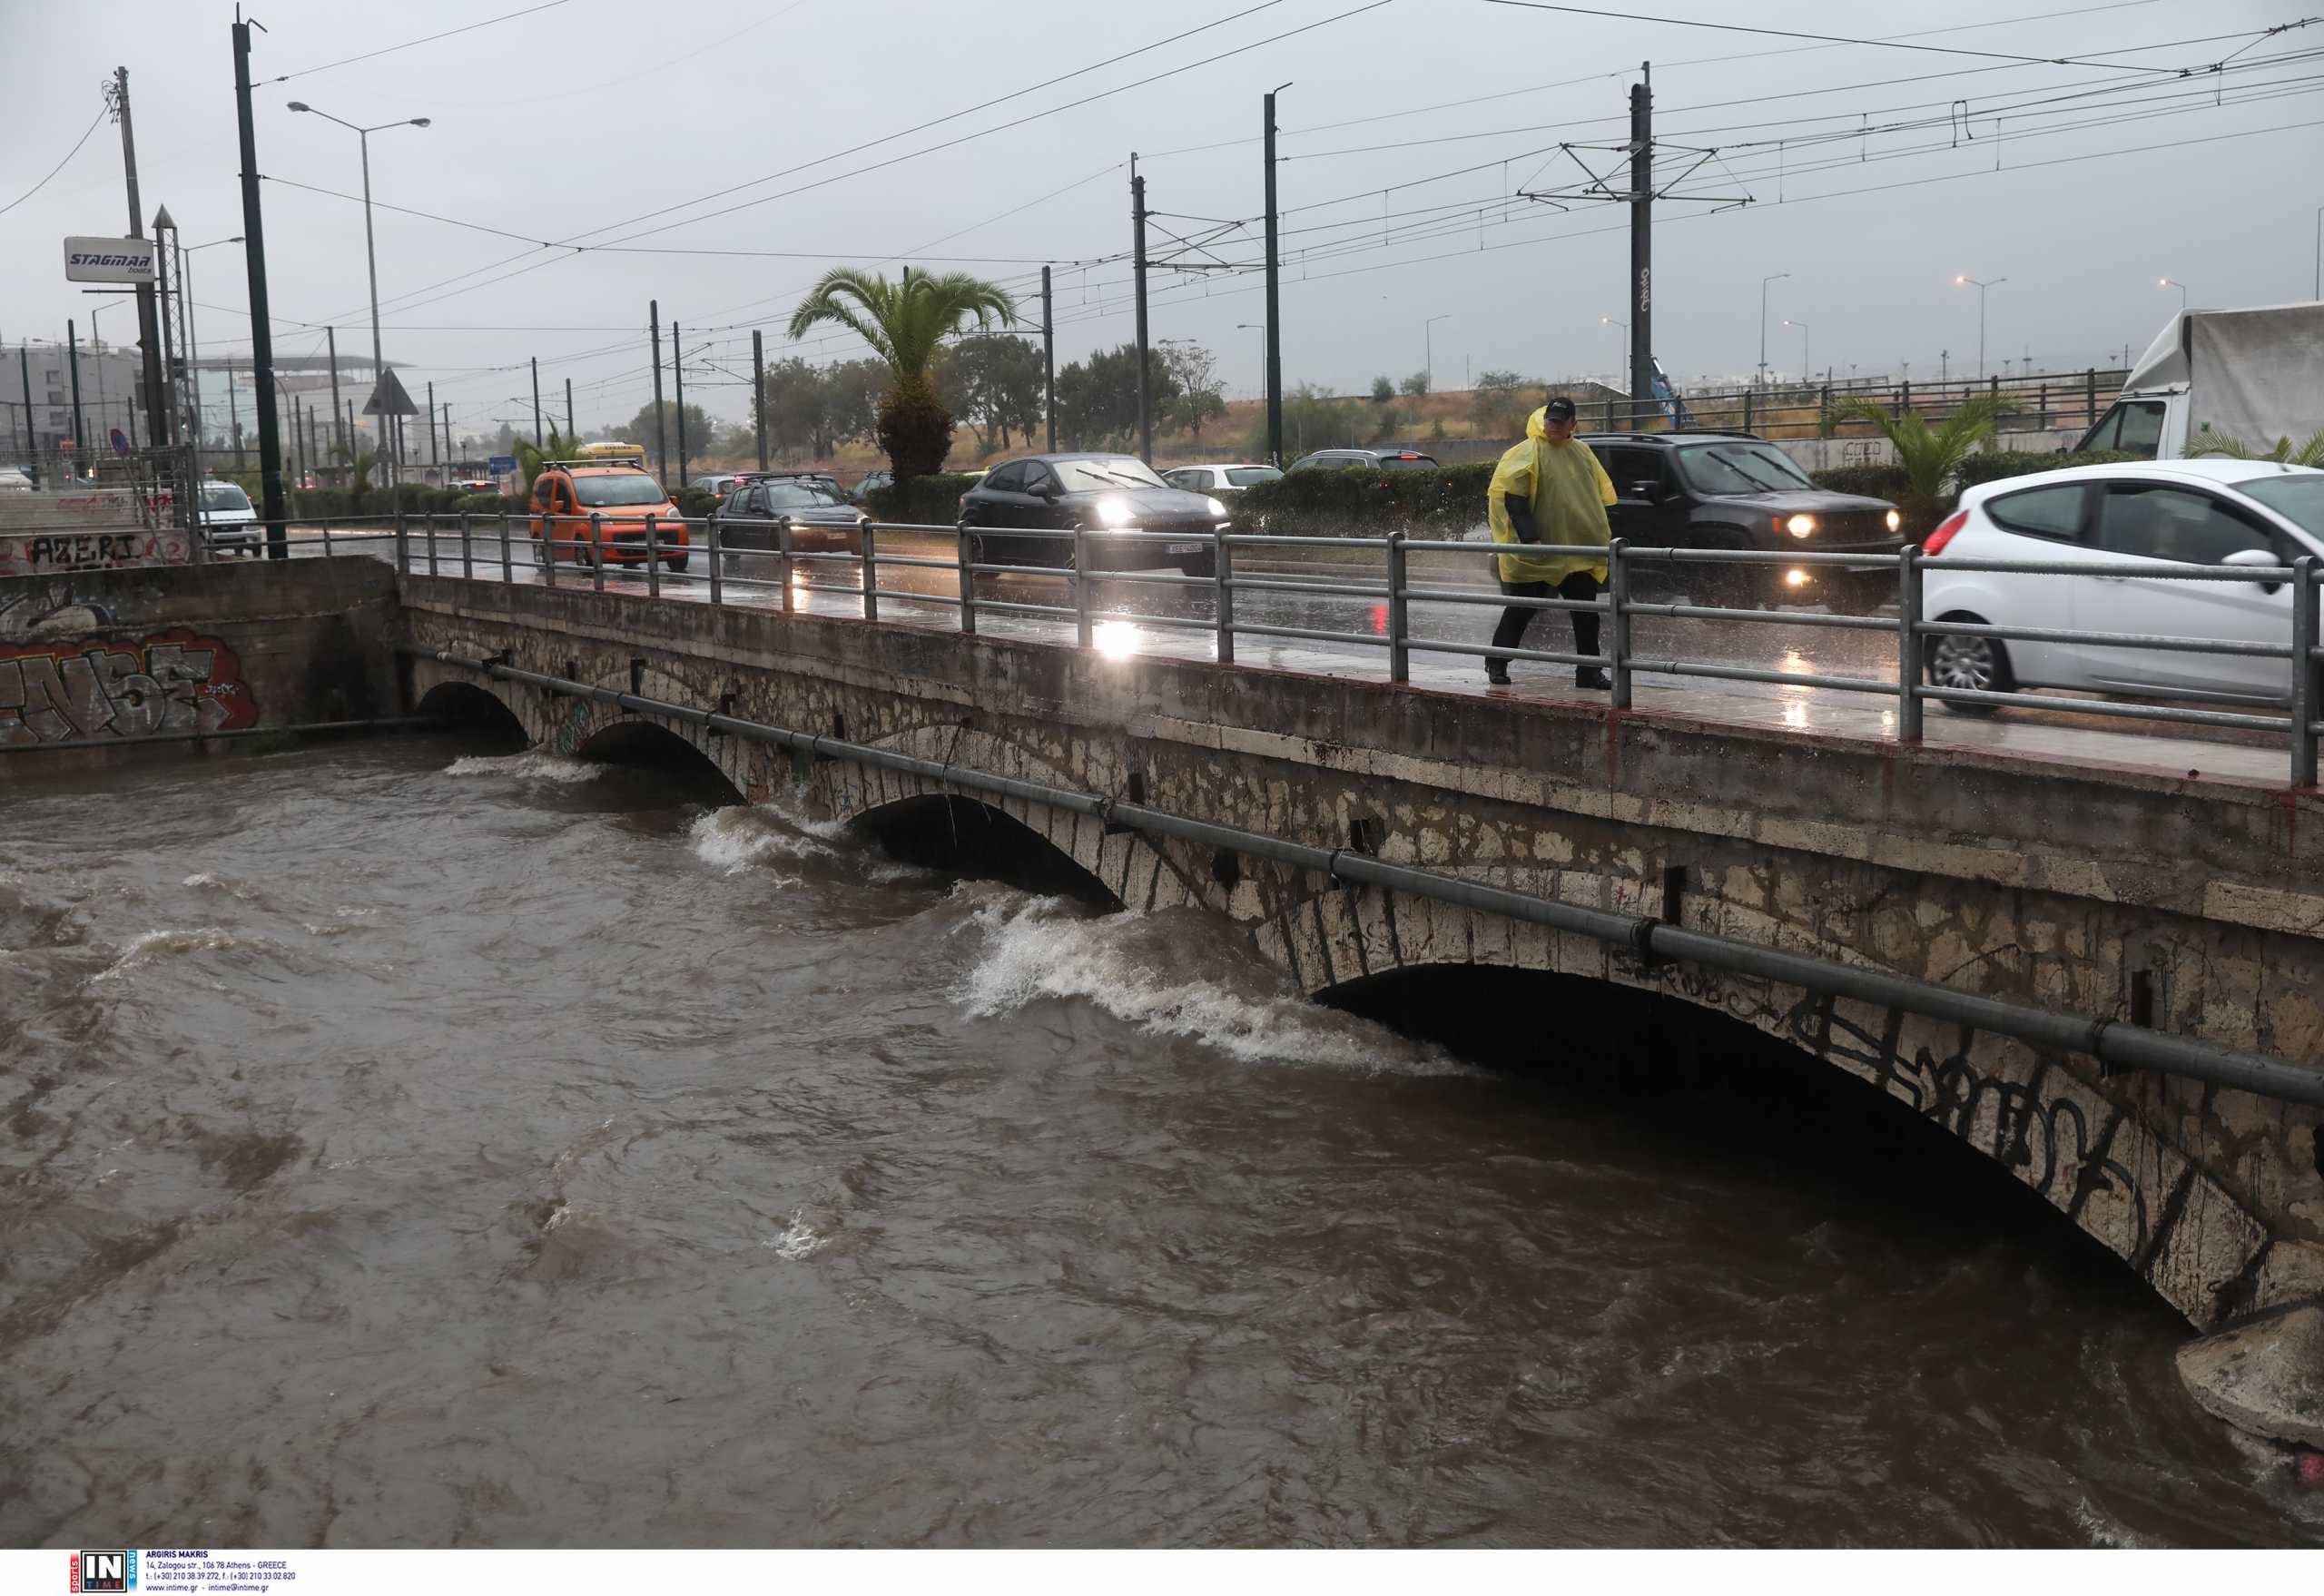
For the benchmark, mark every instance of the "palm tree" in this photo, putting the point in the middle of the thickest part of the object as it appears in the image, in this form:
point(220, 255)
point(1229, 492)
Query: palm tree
point(531, 457)
point(904, 323)
point(2208, 442)
point(1929, 456)
point(360, 463)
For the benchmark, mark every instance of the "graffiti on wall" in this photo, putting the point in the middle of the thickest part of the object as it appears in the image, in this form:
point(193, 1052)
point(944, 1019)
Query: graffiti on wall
point(88, 689)
point(44, 554)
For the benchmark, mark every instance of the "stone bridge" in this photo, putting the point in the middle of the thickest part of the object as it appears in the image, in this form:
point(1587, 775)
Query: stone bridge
point(2192, 906)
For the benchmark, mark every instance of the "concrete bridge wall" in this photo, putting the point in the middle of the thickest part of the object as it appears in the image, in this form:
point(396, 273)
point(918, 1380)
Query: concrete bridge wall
point(2190, 905)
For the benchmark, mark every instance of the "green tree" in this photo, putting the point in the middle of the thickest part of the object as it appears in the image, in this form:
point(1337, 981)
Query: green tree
point(1415, 385)
point(1929, 456)
point(904, 323)
point(639, 429)
point(1194, 371)
point(1383, 389)
point(1097, 399)
point(555, 446)
point(996, 381)
point(360, 463)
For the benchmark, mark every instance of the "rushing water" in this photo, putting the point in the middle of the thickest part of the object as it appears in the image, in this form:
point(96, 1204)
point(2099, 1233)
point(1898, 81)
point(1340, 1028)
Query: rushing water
point(406, 1145)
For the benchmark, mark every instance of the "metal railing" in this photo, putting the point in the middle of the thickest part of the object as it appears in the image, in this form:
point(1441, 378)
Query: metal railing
point(582, 552)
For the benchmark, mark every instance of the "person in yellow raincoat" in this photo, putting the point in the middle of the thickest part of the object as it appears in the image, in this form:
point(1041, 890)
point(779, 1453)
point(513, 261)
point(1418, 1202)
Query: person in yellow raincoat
point(1549, 490)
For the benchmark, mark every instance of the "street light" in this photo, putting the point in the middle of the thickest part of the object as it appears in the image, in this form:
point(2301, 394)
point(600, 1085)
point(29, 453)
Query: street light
point(2320, 252)
point(1776, 277)
point(1804, 372)
point(2172, 282)
point(1981, 288)
point(370, 252)
point(192, 350)
point(1428, 344)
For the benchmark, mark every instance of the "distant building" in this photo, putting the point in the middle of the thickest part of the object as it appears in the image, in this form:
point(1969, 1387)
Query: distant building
point(109, 378)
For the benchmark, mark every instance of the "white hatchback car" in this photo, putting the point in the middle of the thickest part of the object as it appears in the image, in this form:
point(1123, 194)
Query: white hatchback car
point(2205, 512)
point(1218, 479)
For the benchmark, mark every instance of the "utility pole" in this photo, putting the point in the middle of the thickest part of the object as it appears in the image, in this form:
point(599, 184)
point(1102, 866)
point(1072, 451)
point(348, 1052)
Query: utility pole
point(758, 388)
point(162, 224)
point(434, 458)
point(661, 443)
point(80, 437)
point(678, 371)
point(1275, 316)
point(1049, 361)
point(1137, 250)
point(24, 371)
point(331, 338)
point(1641, 242)
point(570, 429)
point(149, 333)
point(274, 509)
point(538, 439)
point(234, 419)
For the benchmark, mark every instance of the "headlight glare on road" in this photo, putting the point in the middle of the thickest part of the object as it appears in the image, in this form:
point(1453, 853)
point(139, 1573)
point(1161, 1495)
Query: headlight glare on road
point(1795, 578)
point(1218, 510)
point(1115, 510)
point(1895, 520)
point(1800, 525)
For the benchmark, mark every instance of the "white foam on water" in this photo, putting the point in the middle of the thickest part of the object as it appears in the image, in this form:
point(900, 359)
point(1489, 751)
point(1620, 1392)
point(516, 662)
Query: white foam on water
point(2106, 1532)
point(797, 1241)
point(741, 838)
point(224, 883)
point(534, 764)
point(1176, 973)
point(147, 947)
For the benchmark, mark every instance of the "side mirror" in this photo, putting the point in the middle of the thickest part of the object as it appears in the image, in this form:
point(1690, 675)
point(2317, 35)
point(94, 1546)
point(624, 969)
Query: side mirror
point(2257, 559)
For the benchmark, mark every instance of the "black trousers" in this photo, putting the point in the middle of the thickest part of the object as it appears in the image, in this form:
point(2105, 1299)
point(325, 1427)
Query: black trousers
point(1580, 587)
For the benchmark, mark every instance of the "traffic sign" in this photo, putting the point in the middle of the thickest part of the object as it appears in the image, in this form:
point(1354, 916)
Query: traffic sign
point(119, 443)
point(500, 465)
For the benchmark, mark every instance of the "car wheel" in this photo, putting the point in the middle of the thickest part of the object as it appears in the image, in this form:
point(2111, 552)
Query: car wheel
point(543, 554)
point(676, 562)
point(1978, 665)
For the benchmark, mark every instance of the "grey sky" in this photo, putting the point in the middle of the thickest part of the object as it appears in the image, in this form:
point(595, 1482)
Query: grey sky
point(598, 111)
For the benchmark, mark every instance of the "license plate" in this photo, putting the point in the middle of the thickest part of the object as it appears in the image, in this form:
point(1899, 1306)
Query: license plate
point(1184, 548)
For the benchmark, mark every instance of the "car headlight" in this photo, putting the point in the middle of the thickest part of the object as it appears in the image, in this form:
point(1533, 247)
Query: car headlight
point(1895, 520)
point(1800, 525)
point(1115, 510)
point(1218, 510)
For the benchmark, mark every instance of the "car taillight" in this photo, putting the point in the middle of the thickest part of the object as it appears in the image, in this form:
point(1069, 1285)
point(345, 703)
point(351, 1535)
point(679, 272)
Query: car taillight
point(1946, 530)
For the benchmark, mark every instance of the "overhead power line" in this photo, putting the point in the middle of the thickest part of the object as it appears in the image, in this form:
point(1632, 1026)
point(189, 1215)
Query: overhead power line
point(60, 166)
point(414, 44)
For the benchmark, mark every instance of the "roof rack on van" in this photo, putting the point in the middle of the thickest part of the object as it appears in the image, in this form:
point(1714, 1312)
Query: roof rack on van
point(591, 460)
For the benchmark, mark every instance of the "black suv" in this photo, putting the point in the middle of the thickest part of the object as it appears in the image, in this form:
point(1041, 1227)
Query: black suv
point(1731, 490)
point(1098, 492)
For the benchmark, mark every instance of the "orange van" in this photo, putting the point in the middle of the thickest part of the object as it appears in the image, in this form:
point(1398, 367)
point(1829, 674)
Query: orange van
point(567, 494)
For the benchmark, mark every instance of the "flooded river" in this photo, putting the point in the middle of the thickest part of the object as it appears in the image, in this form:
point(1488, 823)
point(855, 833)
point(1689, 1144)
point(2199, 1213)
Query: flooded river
point(417, 1142)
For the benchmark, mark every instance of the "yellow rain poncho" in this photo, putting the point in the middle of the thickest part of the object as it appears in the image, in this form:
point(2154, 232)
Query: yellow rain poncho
point(1568, 491)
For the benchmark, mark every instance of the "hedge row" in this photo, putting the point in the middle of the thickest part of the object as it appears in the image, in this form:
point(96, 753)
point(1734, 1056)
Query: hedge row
point(925, 501)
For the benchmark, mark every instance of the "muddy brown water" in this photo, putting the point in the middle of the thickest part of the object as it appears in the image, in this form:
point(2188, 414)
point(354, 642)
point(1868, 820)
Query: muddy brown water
point(416, 1142)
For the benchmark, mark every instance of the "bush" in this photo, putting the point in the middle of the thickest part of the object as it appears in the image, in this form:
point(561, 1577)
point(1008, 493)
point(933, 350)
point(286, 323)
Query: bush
point(2012, 462)
point(1885, 481)
point(1445, 499)
point(694, 503)
point(923, 502)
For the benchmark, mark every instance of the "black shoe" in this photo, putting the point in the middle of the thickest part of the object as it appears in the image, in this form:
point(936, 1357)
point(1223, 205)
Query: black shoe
point(1496, 674)
point(1594, 677)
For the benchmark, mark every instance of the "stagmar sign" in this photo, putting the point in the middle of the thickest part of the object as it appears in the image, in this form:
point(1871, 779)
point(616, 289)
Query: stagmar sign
point(109, 260)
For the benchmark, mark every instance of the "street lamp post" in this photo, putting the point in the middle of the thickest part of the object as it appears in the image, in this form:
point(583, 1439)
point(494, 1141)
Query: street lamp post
point(2173, 282)
point(1804, 364)
point(1428, 347)
point(1773, 277)
point(2320, 252)
point(1623, 330)
point(370, 252)
point(192, 351)
point(1981, 288)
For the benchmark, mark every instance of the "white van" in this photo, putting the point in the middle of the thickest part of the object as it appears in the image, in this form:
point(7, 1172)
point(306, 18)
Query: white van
point(228, 519)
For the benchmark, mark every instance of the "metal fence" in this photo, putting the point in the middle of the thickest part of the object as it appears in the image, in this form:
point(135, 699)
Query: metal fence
point(663, 554)
point(2037, 401)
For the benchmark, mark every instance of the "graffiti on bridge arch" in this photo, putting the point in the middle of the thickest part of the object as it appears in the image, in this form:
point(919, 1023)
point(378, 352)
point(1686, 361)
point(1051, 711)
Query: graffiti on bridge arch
point(2047, 1141)
point(90, 689)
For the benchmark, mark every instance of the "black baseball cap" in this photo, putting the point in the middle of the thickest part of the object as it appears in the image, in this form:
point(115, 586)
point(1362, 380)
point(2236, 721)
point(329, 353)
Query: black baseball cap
point(1559, 409)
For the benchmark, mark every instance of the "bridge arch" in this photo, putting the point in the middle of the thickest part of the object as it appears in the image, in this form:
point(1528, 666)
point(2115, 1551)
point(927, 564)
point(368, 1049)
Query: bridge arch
point(2098, 1151)
point(473, 705)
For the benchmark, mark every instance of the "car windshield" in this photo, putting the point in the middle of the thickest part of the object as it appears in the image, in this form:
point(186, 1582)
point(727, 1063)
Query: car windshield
point(224, 496)
point(799, 496)
point(1244, 475)
point(620, 488)
point(1740, 467)
point(2296, 496)
point(1112, 471)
